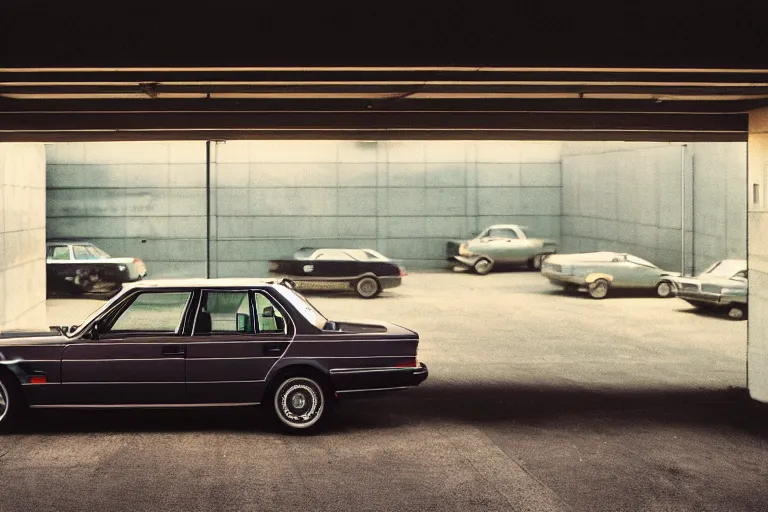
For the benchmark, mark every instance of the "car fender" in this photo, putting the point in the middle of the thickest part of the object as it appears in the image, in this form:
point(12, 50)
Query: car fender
point(591, 278)
point(283, 364)
point(470, 262)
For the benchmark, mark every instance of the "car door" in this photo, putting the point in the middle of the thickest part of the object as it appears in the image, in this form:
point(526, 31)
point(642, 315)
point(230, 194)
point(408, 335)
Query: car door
point(503, 245)
point(136, 356)
point(236, 337)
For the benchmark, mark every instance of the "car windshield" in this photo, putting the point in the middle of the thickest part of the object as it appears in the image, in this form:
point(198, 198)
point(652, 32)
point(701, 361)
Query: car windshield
point(640, 261)
point(725, 268)
point(303, 306)
point(89, 252)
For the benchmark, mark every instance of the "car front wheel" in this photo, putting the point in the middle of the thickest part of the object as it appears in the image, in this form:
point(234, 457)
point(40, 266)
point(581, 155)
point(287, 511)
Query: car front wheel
point(483, 266)
point(664, 289)
point(367, 287)
point(300, 403)
point(598, 289)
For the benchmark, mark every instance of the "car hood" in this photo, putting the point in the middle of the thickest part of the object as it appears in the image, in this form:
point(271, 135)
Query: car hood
point(719, 281)
point(26, 338)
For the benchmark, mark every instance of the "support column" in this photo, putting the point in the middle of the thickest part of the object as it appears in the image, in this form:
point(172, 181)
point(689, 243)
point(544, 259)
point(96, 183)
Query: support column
point(22, 237)
point(757, 255)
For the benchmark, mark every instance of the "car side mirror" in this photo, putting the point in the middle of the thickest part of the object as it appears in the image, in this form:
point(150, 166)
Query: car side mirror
point(242, 322)
point(269, 312)
point(95, 331)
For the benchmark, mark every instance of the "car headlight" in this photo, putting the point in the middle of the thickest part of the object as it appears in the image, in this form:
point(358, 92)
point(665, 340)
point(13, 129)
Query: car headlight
point(732, 291)
point(463, 251)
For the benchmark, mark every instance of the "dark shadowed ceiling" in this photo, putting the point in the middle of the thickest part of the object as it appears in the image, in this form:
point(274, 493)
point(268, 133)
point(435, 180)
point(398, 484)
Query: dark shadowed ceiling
point(235, 70)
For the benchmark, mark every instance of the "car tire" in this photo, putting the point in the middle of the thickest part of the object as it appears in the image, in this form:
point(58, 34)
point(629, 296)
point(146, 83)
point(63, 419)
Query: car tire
point(483, 266)
point(664, 289)
point(11, 403)
point(598, 289)
point(368, 287)
point(737, 313)
point(300, 403)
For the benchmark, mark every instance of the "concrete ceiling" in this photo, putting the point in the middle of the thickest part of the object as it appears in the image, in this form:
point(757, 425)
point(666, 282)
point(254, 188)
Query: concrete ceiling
point(536, 71)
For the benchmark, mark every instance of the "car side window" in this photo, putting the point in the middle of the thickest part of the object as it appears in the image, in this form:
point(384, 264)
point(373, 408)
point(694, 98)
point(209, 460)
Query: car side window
point(152, 312)
point(502, 233)
point(334, 256)
point(742, 274)
point(270, 319)
point(59, 253)
point(82, 252)
point(223, 312)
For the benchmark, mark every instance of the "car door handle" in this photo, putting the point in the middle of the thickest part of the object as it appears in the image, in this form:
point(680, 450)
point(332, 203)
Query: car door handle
point(173, 350)
point(272, 349)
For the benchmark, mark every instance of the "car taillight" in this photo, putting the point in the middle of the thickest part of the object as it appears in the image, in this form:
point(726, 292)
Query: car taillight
point(402, 271)
point(411, 362)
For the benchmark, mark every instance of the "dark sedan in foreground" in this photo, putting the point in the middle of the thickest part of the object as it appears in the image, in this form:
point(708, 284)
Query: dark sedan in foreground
point(722, 287)
point(204, 343)
point(77, 268)
point(364, 271)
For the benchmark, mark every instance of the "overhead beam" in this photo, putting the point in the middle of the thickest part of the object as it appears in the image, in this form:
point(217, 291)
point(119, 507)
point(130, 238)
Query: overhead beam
point(9, 122)
point(358, 105)
point(559, 135)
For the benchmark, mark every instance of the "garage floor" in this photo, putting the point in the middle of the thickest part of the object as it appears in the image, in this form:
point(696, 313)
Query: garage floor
point(536, 400)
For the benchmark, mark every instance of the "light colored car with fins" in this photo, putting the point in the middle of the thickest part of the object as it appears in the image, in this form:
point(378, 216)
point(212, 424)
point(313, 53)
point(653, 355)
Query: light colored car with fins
point(724, 286)
point(499, 244)
point(598, 273)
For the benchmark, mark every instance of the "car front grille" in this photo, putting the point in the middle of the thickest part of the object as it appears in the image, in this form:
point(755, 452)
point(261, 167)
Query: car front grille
point(689, 287)
point(711, 288)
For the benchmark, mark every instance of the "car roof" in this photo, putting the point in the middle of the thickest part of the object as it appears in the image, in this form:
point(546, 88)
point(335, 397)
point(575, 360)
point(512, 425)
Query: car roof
point(221, 282)
point(66, 241)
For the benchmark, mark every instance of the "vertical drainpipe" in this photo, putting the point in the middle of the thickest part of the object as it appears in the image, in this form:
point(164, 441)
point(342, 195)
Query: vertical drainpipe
point(682, 208)
point(208, 209)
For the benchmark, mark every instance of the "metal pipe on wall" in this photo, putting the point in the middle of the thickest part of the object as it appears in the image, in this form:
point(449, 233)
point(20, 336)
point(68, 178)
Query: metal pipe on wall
point(682, 209)
point(208, 209)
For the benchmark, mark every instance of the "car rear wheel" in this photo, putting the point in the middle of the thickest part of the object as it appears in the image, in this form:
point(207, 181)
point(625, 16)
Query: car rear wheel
point(483, 266)
point(368, 287)
point(738, 313)
point(598, 289)
point(664, 289)
point(10, 402)
point(300, 403)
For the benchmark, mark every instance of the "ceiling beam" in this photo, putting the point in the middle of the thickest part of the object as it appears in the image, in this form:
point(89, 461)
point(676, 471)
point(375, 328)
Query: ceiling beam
point(557, 135)
point(359, 105)
point(371, 120)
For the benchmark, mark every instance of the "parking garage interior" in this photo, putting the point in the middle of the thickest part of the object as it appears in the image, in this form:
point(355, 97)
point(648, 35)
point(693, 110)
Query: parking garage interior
point(655, 143)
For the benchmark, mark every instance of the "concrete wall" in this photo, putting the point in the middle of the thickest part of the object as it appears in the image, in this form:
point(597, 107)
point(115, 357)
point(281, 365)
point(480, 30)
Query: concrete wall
point(626, 197)
point(22, 237)
point(268, 198)
point(757, 333)
point(626, 200)
point(402, 198)
point(135, 199)
point(719, 202)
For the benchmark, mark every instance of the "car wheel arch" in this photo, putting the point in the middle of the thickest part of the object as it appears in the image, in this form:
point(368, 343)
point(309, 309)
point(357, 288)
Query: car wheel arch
point(591, 278)
point(300, 367)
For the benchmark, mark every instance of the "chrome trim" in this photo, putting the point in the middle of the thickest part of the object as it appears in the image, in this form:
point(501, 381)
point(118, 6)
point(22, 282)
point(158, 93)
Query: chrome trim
point(225, 381)
point(371, 389)
point(318, 339)
point(346, 357)
point(190, 359)
point(341, 371)
point(141, 406)
point(99, 383)
point(116, 360)
point(40, 383)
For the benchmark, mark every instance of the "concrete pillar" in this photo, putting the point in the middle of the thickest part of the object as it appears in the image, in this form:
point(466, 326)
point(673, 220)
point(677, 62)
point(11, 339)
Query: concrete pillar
point(22, 237)
point(757, 255)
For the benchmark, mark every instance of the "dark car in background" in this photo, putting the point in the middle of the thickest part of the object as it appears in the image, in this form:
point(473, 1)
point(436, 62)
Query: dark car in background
point(77, 268)
point(364, 271)
point(206, 343)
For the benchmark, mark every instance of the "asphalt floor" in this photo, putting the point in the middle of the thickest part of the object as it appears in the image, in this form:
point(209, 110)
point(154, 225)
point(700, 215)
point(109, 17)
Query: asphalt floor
point(537, 400)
